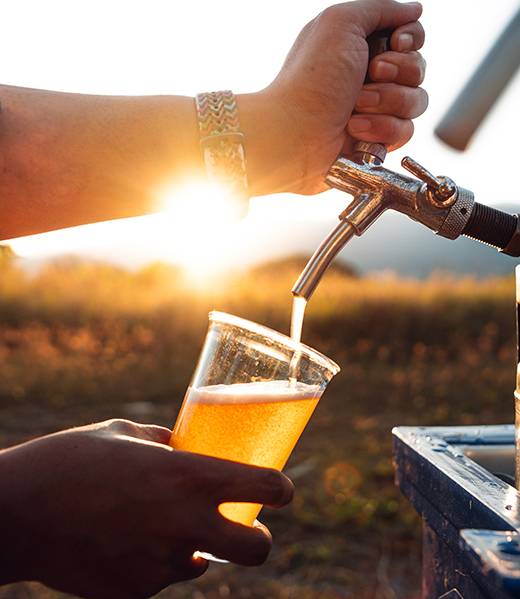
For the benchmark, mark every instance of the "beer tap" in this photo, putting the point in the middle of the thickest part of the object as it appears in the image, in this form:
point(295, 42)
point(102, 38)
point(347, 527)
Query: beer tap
point(435, 202)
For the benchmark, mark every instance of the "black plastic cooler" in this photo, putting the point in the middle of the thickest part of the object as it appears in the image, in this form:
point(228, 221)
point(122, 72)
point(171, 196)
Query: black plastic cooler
point(461, 481)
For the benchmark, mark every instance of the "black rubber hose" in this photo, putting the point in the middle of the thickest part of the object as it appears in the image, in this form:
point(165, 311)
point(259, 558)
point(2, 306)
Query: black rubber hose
point(491, 226)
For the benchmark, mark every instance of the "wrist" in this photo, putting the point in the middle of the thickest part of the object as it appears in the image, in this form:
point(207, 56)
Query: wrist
point(15, 545)
point(275, 156)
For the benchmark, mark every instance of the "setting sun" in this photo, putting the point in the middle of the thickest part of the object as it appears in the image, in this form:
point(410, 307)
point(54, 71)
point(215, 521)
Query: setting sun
point(202, 221)
point(197, 227)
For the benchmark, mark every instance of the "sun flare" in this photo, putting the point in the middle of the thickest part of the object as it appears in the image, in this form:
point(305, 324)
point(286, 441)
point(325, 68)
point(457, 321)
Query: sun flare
point(204, 223)
point(198, 227)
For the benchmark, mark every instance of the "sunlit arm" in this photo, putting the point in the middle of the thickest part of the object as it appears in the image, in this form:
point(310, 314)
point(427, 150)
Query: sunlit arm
point(71, 159)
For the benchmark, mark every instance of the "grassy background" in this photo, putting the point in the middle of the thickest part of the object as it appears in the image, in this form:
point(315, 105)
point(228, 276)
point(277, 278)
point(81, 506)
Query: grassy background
point(81, 342)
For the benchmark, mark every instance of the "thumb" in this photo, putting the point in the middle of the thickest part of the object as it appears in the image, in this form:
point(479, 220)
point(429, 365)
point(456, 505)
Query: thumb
point(157, 434)
point(372, 15)
point(146, 432)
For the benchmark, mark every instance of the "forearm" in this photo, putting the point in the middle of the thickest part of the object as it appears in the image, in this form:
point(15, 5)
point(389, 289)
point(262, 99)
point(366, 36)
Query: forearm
point(71, 159)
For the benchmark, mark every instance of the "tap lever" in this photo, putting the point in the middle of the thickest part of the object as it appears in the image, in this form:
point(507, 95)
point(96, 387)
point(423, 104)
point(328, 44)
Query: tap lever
point(420, 172)
point(443, 189)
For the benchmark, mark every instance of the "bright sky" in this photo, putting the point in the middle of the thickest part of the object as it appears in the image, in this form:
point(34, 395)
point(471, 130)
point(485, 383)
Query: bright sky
point(182, 47)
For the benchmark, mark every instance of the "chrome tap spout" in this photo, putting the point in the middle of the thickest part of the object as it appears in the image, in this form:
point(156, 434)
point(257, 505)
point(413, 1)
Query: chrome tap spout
point(435, 202)
point(322, 257)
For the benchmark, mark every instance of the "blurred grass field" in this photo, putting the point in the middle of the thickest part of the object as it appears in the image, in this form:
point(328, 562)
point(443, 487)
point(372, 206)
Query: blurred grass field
point(81, 342)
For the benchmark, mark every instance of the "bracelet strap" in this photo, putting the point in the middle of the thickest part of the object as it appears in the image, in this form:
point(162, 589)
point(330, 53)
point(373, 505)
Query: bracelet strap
point(222, 141)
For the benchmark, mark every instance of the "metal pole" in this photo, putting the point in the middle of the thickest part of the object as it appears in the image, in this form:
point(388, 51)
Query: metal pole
point(483, 89)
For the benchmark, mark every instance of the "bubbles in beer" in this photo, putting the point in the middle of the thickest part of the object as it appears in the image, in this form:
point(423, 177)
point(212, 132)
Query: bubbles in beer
point(254, 423)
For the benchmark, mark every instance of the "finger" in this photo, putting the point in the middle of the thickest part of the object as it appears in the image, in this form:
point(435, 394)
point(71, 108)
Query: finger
point(188, 568)
point(231, 481)
point(391, 131)
point(155, 433)
point(370, 15)
point(390, 98)
point(118, 425)
point(408, 37)
point(148, 432)
point(244, 545)
point(397, 67)
point(223, 481)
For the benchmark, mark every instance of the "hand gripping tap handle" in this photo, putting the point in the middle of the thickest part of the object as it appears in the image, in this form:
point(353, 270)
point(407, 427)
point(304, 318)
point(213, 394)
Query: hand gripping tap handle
point(363, 153)
point(435, 202)
point(370, 152)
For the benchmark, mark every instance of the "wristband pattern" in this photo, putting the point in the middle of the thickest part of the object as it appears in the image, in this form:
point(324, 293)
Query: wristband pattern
point(222, 141)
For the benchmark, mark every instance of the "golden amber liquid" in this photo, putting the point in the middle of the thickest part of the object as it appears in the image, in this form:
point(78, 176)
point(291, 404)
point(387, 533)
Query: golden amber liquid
point(253, 423)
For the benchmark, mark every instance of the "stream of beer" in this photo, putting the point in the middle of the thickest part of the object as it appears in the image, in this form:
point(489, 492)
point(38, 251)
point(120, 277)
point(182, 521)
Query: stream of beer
point(298, 313)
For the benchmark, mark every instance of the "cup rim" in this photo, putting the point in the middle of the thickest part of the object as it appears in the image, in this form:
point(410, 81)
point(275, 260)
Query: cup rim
point(254, 327)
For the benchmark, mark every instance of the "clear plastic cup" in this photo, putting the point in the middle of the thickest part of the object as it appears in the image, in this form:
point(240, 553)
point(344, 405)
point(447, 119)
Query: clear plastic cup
point(251, 395)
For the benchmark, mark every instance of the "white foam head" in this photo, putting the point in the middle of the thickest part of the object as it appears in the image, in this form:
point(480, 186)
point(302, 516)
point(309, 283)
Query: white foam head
point(258, 392)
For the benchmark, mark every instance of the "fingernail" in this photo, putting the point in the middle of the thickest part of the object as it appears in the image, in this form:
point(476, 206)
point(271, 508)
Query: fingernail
point(358, 125)
point(368, 98)
point(417, 5)
point(405, 42)
point(385, 70)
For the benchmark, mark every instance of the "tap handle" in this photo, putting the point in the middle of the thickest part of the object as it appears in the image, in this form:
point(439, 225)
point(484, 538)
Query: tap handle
point(369, 152)
point(378, 43)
